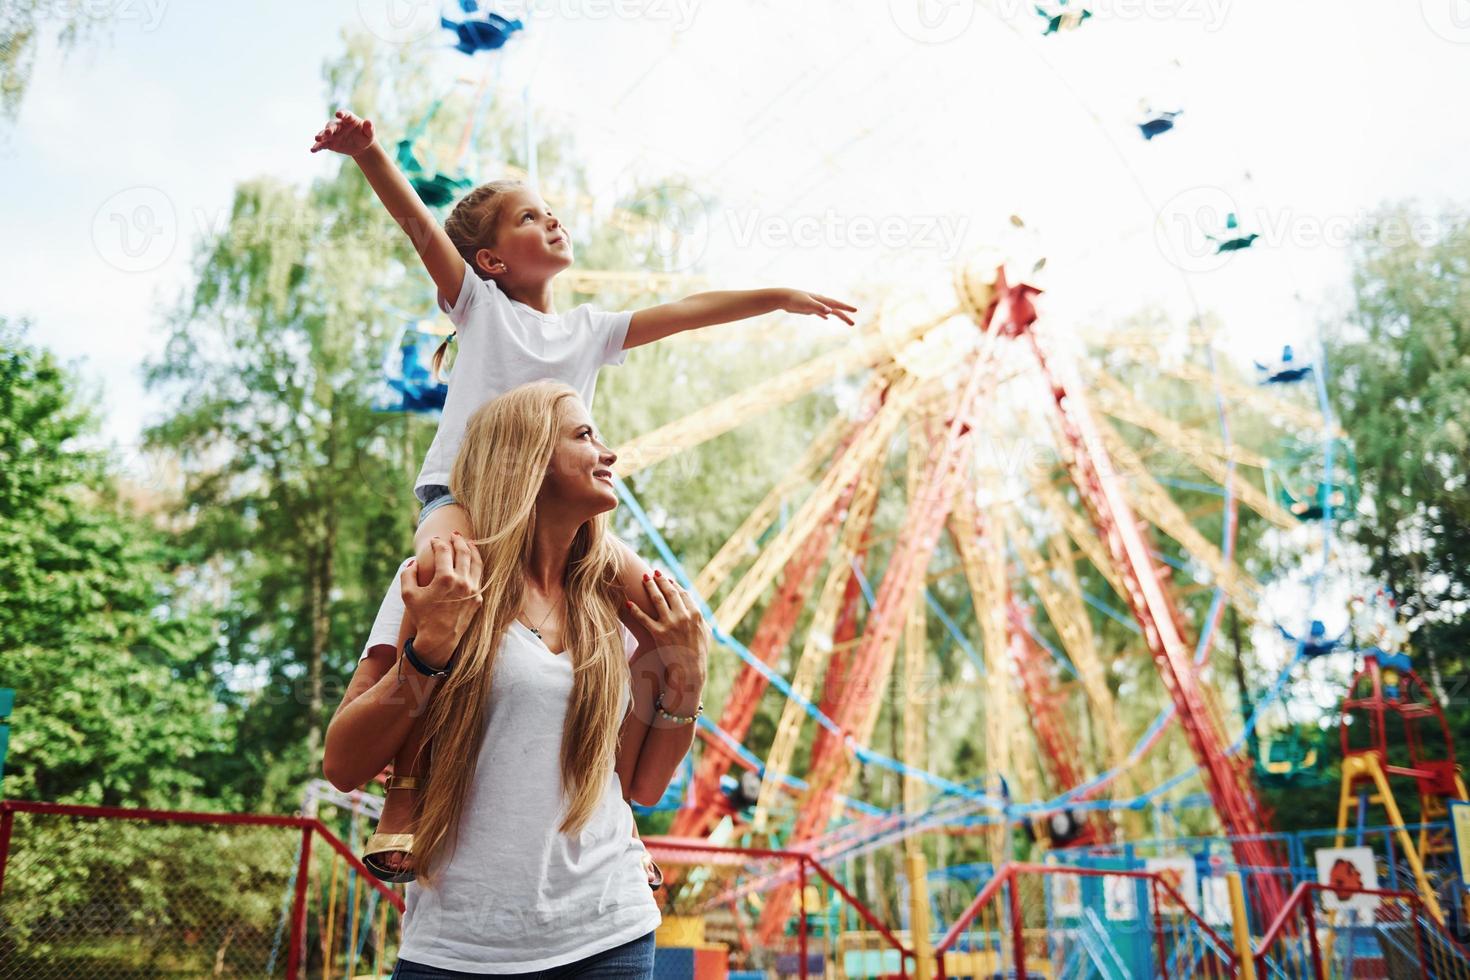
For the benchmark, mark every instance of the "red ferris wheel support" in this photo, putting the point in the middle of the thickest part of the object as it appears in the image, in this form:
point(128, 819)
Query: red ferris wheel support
point(867, 668)
point(772, 635)
point(771, 638)
point(1058, 749)
point(1101, 488)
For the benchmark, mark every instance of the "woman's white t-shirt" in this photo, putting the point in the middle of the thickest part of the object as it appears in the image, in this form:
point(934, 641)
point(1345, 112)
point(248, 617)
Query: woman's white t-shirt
point(516, 894)
point(503, 344)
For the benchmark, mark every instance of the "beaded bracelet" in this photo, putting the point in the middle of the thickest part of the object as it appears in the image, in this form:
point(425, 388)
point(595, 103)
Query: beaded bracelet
point(677, 719)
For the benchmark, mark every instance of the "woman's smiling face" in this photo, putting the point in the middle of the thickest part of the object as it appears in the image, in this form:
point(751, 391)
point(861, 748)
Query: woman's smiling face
point(579, 475)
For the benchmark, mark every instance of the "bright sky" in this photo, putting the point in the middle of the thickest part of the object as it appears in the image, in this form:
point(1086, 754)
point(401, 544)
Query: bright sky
point(849, 142)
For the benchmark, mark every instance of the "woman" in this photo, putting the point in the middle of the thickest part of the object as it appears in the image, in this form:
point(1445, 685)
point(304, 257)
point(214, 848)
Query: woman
point(523, 849)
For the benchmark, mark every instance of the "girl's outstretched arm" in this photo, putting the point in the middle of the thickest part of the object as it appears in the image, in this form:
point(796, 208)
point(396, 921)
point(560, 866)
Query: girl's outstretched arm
point(354, 137)
point(708, 309)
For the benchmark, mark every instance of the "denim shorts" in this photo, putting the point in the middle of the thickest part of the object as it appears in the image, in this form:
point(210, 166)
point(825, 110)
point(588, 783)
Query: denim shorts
point(631, 961)
point(434, 497)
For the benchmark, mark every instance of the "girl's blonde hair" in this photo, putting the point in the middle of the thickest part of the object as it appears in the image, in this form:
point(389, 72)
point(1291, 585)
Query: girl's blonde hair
point(496, 478)
point(471, 226)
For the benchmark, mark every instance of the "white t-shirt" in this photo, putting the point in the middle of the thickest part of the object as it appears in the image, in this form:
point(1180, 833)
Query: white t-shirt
point(504, 343)
point(517, 895)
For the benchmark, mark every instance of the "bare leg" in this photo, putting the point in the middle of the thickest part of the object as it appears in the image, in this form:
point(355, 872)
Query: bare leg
point(401, 803)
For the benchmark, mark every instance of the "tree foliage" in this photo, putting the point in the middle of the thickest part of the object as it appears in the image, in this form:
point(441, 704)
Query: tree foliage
point(108, 650)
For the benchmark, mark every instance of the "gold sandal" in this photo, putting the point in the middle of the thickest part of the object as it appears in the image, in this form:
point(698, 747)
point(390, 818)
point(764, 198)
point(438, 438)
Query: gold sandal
point(380, 844)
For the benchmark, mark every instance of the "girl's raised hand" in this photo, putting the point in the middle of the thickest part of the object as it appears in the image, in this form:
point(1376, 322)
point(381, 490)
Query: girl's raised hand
point(796, 301)
point(345, 134)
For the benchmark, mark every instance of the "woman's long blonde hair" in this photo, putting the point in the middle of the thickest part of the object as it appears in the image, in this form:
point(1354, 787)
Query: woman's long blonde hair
point(496, 478)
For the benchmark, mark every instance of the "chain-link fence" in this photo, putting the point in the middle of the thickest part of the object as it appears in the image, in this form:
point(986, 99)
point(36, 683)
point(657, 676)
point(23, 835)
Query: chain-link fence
point(118, 893)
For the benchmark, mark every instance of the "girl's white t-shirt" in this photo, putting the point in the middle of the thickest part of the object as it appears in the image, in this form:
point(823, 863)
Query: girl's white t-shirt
point(503, 344)
point(517, 895)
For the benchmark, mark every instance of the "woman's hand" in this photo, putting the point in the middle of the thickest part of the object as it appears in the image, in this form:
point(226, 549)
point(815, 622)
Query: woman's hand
point(441, 611)
point(680, 640)
point(345, 134)
point(796, 301)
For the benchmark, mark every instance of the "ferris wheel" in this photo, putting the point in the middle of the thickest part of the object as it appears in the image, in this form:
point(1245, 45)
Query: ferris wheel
point(954, 390)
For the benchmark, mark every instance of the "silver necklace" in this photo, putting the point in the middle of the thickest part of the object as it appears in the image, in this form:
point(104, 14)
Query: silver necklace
point(537, 628)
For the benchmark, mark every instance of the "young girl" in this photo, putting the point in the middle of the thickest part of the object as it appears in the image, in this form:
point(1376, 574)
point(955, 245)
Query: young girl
point(493, 263)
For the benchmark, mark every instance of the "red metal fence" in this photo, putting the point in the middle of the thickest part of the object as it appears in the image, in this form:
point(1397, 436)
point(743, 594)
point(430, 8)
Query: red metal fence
point(693, 870)
point(90, 891)
point(119, 893)
point(1034, 919)
point(1324, 932)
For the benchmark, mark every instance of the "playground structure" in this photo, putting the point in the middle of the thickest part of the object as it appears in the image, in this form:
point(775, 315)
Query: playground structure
point(1387, 697)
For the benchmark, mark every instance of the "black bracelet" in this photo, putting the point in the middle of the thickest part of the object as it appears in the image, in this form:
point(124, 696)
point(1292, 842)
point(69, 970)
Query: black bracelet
point(419, 665)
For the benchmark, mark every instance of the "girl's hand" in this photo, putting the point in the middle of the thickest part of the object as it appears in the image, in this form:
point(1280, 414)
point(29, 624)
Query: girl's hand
point(680, 640)
point(796, 301)
point(345, 134)
point(441, 611)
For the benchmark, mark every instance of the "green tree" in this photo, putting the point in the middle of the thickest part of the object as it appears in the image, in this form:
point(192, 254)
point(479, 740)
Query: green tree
point(1400, 377)
point(109, 651)
point(299, 493)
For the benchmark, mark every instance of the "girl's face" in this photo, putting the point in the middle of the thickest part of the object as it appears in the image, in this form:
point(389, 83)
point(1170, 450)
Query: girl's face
point(579, 476)
point(530, 244)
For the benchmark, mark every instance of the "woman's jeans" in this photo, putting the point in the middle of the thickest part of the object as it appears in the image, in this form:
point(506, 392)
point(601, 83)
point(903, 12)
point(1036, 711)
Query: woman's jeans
point(631, 961)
